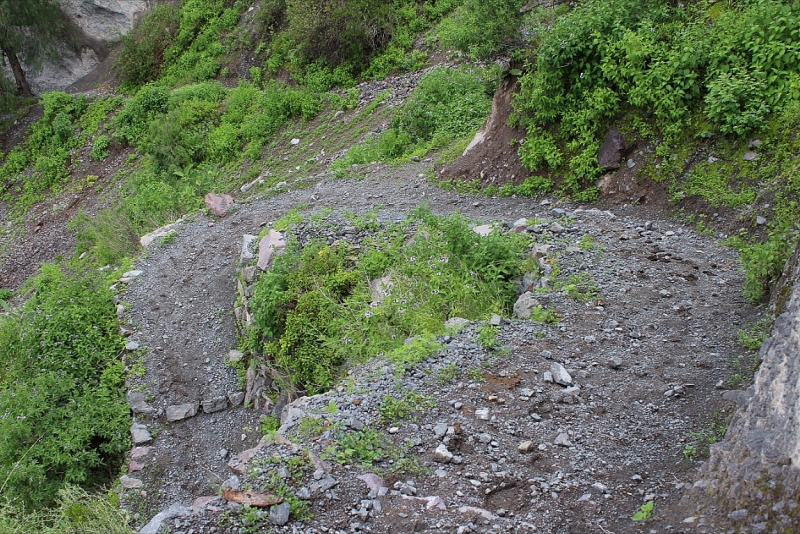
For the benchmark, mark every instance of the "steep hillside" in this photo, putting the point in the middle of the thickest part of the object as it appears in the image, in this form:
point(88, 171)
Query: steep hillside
point(627, 178)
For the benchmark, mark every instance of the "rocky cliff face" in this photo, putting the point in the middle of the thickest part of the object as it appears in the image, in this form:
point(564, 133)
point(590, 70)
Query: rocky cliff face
point(100, 23)
point(105, 20)
point(754, 474)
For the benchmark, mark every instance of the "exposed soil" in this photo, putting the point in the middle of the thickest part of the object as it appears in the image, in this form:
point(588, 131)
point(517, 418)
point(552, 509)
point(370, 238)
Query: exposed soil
point(492, 156)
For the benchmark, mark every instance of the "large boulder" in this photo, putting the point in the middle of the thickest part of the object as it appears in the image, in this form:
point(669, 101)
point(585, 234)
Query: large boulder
point(612, 152)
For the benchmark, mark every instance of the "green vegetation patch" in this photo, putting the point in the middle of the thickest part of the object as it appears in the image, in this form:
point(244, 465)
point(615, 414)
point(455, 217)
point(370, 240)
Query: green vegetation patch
point(75, 511)
point(65, 416)
point(314, 310)
point(448, 104)
point(40, 164)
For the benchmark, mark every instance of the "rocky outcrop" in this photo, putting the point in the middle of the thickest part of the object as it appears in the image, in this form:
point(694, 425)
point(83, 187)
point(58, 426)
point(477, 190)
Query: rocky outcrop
point(753, 476)
point(105, 20)
point(95, 25)
point(612, 152)
point(783, 287)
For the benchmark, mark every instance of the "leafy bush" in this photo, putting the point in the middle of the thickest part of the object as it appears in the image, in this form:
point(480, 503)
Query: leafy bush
point(141, 57)
point(482, 28)
point(729, 63)
point(339, 31)
point(75, 511)
point(133, 121)
point(46, 150)
point(735, 102)
point(313, 310)
point(447, 103)
point(100, 149)
point(66, 419)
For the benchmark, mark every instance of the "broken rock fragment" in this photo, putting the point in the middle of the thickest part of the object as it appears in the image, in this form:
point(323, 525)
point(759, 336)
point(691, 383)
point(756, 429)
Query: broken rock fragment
point(178, 412)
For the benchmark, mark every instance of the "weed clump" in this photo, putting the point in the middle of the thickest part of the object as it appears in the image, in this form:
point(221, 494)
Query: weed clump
point(315, 310)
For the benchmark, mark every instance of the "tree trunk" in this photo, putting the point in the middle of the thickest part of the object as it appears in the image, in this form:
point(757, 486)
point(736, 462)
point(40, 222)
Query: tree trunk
point(23, 89)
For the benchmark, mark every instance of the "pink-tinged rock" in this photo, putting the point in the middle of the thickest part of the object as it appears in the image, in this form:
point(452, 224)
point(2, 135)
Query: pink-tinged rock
point(431, 502)
point(139, 452)
point(373, 481)
point(135, 466)
point(201, 502)
point(238, 463)
point(218, 204)
point(270, 245)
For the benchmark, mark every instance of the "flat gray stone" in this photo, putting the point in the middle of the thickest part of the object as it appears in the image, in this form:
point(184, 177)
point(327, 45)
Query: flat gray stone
point(140, 434)
point(130, 482)
point(236, 398)
point(248, 249)
point(279, 514)
point(563, 440)
point(155, 524)
point(138, 404)
point(216, 404)
point(177, 412)
point(440, 430)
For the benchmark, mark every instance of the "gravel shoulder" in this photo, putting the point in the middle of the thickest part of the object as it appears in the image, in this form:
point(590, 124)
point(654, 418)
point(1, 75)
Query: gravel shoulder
point(646, 358)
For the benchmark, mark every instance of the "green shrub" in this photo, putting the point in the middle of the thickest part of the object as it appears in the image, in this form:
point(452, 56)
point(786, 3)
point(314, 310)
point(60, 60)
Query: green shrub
point(735, 102)
point(197, 51)
point(100, 148)
point(447, 102)
point(66, 419)
point(141, 56)
point(670, 63)
point(45, 151)
point(482, 28)
point(110, 236)
point(339, 31)
point(312, 310)
point(132, 123)
point(75, 511)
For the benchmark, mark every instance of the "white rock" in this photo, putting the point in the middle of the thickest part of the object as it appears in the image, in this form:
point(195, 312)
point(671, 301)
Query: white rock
point(442, 455)
point(525, 304)
point(483, 230)
point(560, 374)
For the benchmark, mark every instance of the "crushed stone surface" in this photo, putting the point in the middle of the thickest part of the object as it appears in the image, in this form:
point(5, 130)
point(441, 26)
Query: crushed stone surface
point(503, 447)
